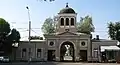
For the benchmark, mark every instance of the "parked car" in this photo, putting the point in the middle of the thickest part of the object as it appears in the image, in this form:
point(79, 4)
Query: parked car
point(1, 58)
point(112, 61)
point(4, 59)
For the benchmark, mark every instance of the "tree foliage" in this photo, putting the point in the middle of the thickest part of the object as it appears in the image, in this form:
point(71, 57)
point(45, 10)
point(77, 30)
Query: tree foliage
point(111, 30)
point(48, 27)
point(4, 27)
point(114, 30)
point(14, 36)
point(7, 36)
point(85, 25)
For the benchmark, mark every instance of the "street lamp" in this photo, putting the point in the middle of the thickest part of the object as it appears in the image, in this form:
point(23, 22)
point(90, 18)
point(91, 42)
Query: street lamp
point(29, 29)
point(29, 22)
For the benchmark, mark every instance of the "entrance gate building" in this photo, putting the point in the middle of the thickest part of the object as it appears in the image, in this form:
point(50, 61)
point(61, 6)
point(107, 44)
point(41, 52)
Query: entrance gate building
point(67, 43)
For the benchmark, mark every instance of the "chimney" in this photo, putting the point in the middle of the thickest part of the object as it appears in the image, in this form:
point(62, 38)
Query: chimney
point(97, 37)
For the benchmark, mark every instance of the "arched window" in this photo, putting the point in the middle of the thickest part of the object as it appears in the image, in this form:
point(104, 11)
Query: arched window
point(67, 21)
point(72, 21)
point(62, 22)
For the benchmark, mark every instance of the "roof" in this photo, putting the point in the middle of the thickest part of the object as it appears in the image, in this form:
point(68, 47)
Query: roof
point(103, 48)
point(33, 41)
point(66, 33)
point(67, 10)
point(103, 40)
point(71, 33)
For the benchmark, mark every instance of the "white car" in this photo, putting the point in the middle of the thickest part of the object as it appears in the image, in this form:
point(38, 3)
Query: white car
point(1, 58)
point(4, 59)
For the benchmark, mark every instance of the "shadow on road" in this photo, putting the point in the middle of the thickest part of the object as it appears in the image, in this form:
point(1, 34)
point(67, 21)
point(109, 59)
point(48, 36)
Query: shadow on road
point(56, 63)
point(31, 63)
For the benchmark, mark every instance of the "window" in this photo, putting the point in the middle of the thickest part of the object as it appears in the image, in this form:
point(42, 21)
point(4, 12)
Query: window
point(51, 43)
point(72, 21)
point(83, 43)
point(62, 22)
point(23, 52)
point(38, 53)
point(30, 52)
point(95, 52)
point(67, 21)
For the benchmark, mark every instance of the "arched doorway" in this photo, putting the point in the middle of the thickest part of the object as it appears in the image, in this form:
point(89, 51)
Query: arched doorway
point(67, 51)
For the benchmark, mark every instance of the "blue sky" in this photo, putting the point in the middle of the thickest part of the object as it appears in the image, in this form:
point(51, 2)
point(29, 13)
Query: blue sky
point(15, 12)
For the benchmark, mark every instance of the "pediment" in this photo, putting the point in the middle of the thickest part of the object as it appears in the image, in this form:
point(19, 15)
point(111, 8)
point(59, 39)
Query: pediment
point(67, 33)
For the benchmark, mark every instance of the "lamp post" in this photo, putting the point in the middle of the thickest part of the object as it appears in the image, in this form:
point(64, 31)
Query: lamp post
point(29, 29)
point(29, 22)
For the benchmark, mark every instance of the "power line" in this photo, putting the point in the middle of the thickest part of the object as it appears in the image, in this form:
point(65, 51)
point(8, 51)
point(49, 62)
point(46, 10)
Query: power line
point(35, 32)
point(40, 28)
point(18, 22)
point(100, 31)
point(21, 28)
point(24, 37)
point(23, 31)
point(36, 28)
point(27, 28)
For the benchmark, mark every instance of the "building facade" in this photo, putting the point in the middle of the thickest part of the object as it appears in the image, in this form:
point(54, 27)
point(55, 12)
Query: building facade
point(64, 45)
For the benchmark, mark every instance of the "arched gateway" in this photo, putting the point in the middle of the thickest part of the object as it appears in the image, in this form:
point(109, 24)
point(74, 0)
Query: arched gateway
point(67, 51)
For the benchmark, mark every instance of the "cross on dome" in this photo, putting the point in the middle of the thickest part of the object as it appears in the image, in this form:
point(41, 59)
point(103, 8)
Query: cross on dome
point(66, 4)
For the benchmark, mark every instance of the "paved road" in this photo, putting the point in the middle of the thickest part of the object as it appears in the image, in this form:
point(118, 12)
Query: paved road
point(57, 63)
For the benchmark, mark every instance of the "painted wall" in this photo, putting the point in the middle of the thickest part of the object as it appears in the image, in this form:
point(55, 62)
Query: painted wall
point(96, 47)
point(34, 45)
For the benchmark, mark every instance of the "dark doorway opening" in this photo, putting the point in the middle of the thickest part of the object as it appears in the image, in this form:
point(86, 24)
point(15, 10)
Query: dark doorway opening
point(51, 55)
point(67, 51)
point(83, 55)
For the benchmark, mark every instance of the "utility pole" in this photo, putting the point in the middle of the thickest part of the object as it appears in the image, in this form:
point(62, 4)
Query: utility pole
point(29, 31)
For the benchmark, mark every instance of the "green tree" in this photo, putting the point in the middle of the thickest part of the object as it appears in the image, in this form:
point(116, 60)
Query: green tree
point(14, 36)
point(4, 28)
point(48, 27)
point(7, 36)
point(111, 30)
point(114, 31)
point(85, 25)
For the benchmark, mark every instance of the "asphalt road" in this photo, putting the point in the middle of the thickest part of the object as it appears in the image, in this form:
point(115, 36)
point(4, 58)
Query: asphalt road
point(57, 63)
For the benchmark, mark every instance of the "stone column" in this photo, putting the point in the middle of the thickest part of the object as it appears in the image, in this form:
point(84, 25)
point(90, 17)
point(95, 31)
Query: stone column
point(57, 52)
point(99, 54)
point(76, 51)
point(45, 51)
point(89, 50)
